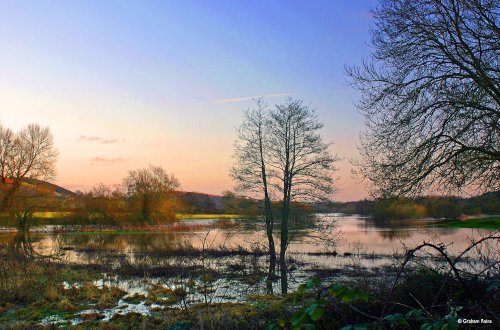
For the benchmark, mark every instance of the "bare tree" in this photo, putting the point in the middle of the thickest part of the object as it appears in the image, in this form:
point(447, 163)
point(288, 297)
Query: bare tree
point(103, 204)
point(250, 169)
point(29, 153)
point(302, 163)
point(281, 153)
point(149, 187)
point(431, 97)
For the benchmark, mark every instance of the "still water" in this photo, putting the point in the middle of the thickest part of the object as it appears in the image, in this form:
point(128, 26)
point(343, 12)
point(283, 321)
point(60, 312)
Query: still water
point(339, 234)
point(234, 264)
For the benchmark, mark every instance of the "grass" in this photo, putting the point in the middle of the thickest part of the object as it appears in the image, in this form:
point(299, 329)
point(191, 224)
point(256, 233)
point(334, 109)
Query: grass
point(52, 214)
point(150, 229)
point(185, 216)
point(31, 290)
point(491, 223)
point(70, 218)
point(181, 216)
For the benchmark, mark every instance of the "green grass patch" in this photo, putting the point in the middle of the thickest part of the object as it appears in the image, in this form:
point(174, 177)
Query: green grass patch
point(52, 215)
point(185, 216)
point(32, 313)
point(491, 223)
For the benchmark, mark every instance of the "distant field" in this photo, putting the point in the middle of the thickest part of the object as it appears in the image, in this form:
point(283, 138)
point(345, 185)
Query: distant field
point(52, 215)
point(183, 216)
point(46, 215)
point(70, 218)
point(492, 223)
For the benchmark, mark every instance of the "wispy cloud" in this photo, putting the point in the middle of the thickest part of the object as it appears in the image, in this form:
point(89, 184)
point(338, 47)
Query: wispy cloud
point(85, 138)
point(246, 98)
point(106, 160)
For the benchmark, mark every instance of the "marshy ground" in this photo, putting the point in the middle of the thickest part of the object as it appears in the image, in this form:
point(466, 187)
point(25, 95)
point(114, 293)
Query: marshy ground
point(215, 279)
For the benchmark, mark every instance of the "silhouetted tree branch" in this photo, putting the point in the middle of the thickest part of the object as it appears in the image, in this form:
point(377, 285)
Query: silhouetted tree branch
point(431, 97)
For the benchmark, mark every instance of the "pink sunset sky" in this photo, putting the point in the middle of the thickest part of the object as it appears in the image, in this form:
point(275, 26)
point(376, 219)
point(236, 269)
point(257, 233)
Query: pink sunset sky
point(122, 86)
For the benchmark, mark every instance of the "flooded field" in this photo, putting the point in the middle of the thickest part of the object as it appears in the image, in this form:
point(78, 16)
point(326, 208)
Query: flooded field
point(229, 264)
point(347, 234)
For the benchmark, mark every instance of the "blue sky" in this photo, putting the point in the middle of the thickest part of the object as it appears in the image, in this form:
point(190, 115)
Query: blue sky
point(123, 84)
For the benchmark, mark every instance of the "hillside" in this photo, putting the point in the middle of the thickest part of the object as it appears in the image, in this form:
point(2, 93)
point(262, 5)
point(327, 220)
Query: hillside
point(49, 187)
point(32, 186)
point(195, 202)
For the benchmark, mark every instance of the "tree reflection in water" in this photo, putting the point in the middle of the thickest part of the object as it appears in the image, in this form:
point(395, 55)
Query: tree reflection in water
point(232, 254)
point(21, 243)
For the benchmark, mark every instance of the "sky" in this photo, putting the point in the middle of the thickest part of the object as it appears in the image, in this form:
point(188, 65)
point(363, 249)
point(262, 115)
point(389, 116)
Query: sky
point(125, 84)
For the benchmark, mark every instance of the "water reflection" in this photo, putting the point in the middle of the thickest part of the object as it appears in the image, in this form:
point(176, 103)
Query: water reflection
point(22, 244)
point(221, 265)
point(379, 237)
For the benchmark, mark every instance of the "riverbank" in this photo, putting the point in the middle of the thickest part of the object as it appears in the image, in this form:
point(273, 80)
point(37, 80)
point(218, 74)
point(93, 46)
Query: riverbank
point(186, 224)
point(49, 293)
point(51, 222)
point(478, 223)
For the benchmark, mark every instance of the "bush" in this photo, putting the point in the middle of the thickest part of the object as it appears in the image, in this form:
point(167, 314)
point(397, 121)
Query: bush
point(397, 208)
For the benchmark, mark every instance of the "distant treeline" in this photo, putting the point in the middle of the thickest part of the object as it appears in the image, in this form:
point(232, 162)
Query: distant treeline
point(112, 205)
point(228, 203)
point(421, 207)
point(119, 208)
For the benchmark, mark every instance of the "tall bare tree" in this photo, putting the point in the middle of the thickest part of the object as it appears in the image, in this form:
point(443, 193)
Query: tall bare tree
point(29, 153)
point(250, 170)
point(149, 187)
point(431, 97)
point(281, 153)
point(303, 164)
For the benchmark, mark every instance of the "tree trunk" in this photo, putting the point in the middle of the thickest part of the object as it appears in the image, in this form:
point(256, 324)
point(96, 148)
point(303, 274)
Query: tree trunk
point(269, 214)
point(284, 278)
point(145, 207)
point(284, 242)
point(269, 228)
point(270, 275)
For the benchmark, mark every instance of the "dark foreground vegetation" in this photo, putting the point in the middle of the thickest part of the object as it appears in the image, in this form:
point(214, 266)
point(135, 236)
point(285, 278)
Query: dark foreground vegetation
point(419, 290)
